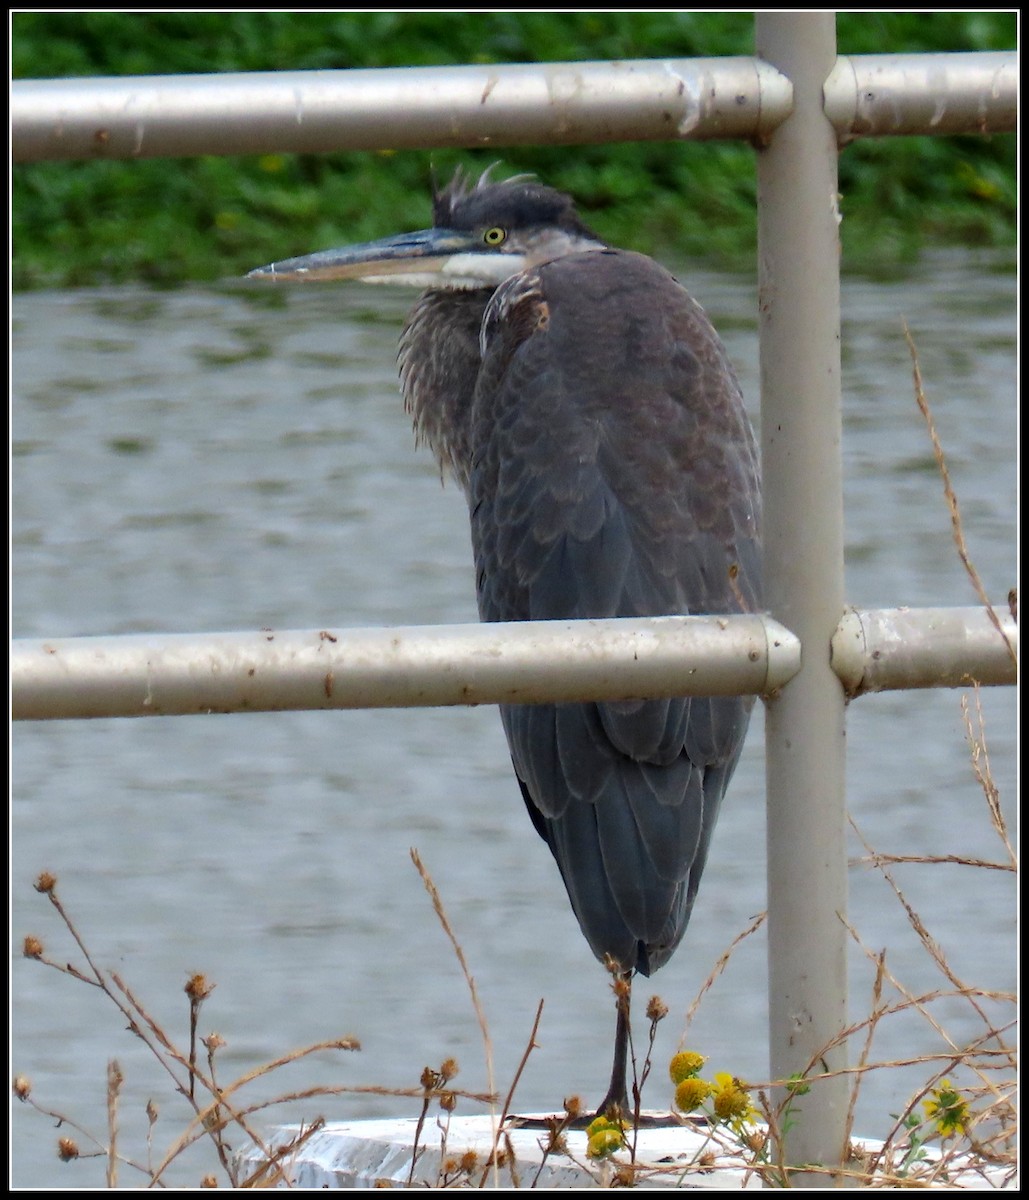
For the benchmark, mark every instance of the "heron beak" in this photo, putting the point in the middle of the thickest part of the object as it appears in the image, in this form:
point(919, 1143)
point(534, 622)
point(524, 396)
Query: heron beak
point(428, 257)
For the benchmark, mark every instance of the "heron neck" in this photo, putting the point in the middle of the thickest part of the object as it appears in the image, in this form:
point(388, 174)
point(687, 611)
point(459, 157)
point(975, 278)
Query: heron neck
point(439, 363)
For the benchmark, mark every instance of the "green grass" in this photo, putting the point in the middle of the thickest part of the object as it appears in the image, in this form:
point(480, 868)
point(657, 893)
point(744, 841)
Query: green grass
point(166, 221)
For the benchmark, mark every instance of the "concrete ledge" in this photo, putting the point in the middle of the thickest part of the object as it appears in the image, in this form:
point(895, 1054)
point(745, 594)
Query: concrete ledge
point(687, 1153)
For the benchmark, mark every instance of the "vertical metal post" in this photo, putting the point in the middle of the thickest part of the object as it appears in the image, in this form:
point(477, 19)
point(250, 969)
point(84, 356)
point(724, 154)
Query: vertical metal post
point(799, 300)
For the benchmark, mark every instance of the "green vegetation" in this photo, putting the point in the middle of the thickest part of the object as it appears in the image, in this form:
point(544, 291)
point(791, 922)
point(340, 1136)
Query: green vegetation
point(169, 220)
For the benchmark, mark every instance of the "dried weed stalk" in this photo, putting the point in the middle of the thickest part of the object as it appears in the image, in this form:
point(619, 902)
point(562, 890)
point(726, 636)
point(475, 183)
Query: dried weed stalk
point(215, 1106)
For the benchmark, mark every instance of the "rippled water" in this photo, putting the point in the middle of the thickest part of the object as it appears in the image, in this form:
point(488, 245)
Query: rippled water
point(211, 460)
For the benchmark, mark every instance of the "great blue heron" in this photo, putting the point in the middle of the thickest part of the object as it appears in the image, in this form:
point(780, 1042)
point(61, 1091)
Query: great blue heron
point(586, 406)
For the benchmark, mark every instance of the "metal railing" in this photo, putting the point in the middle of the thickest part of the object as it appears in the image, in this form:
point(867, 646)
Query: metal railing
point(476, 107)
point(543, 661)
point(799, 102)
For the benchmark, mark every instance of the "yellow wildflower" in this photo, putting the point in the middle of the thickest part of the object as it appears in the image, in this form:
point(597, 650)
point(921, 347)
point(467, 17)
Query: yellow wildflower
point(601, 1123)
point(947, 1109)
point(691, 1093)
point(604, 1137)
point(605, 1142)
point(731, 1101)
point(685, 1065)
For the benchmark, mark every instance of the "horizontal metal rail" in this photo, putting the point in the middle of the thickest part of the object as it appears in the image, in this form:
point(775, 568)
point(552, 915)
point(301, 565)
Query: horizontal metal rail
point(272, 670)
point(573, 103)
point(397, 108)
point(529, 662)
point(879, 95)
point(924, 648)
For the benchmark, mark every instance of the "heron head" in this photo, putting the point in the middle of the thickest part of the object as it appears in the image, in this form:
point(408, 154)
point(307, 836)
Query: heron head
point(483, 233)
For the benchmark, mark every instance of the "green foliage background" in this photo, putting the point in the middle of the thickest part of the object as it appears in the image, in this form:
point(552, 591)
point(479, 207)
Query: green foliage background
point(169, 220)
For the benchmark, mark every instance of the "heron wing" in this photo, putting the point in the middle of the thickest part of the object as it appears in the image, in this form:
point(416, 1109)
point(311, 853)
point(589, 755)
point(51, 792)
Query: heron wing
point(614, 473)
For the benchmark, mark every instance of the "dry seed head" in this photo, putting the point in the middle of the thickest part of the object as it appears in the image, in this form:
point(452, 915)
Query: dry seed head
point(448, 1101)
point(197, 988)
point(152, 1112)
point(573, 1106)
point(469, 1161)
point(213, 1042)
point(557, 1143)
point(857, 1154)
point(755, 1140)
point(448, 1069)
point(22, 1087)
point(32, 947)
point(428, 1078)
point(209, 1181)
point(45, 882)
point(657, 1010)
point(67, 1149)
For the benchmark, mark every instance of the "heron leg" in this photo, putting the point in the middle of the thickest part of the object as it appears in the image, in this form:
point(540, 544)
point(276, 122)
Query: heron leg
point(616, 1103)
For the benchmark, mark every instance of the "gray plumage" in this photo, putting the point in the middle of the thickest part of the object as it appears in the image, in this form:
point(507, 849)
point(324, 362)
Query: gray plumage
point(590, 413)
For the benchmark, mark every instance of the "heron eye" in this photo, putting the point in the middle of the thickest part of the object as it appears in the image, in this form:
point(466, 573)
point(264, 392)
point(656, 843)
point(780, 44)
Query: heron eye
point(495, 236)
